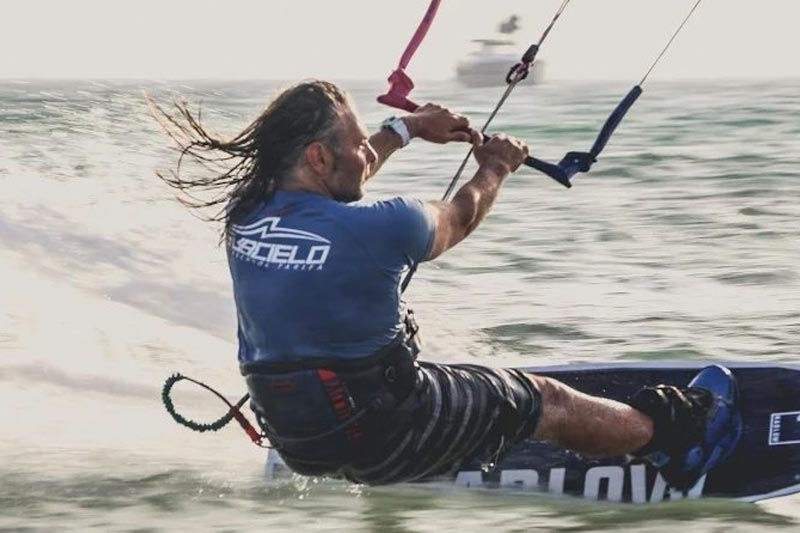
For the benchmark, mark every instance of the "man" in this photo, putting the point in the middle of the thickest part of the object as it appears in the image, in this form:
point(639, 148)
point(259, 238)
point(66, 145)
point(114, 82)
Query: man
point(327, 346)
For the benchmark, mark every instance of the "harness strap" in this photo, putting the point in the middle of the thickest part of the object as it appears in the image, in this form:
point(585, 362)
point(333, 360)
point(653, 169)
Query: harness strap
point(383, 381)
point(337, 365)
point(278, 441)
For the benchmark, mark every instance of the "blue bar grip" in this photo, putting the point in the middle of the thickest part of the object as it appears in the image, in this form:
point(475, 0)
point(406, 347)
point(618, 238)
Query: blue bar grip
point(614, 119)
point(575, 162)
point(552, 170)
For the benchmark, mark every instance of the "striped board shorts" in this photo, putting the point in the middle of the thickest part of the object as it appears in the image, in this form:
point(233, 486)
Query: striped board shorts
point(456, 414)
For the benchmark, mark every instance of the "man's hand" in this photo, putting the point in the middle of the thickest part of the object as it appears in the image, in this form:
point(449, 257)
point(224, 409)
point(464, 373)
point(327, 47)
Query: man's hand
point(455, 219)
point(439, 125)
point(503, 152)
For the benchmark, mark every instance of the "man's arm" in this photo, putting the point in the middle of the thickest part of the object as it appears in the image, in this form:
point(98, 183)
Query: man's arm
point(385, 143)
point(430, 122)
point(456, 219)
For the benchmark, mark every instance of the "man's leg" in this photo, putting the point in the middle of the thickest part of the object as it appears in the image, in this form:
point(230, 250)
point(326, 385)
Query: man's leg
point(683, 431)
point(592, 426)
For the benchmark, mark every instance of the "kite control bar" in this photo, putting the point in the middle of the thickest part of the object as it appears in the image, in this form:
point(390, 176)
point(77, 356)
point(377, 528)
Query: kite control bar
point(575, 162)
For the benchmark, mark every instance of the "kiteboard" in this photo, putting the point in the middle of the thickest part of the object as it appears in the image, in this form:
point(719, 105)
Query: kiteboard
point(765, 463)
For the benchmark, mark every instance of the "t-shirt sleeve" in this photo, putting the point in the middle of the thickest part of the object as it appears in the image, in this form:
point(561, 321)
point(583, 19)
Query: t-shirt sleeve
point(399, 231)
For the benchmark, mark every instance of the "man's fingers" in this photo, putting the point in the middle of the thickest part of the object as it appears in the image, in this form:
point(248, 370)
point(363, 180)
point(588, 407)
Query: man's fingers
point(462, 121)
point(477, 138)
point(461, 136)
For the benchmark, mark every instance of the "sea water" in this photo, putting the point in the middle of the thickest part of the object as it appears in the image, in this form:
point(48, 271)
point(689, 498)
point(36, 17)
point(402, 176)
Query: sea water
point(683, 243)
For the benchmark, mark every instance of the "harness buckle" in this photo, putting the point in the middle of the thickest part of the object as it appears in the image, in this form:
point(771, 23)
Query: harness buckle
point(413, 339)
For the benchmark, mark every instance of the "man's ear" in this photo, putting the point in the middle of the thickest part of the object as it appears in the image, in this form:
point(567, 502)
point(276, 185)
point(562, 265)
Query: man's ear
point(319, 157)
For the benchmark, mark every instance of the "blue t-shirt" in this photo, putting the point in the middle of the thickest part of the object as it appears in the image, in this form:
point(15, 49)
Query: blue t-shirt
point(317, 278)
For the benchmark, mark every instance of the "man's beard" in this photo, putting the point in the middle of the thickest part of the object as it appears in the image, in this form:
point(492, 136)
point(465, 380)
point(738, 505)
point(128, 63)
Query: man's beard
point(349, 196)
point(345, 196)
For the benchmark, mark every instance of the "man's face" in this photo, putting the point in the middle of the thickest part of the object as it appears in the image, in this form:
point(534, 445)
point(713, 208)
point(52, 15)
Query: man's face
point(353, 159)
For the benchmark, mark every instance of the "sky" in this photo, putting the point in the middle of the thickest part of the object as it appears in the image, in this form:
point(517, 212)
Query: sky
point(363, 39)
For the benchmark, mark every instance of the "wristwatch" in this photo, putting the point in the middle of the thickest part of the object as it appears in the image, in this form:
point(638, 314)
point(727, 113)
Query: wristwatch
point(398, 126)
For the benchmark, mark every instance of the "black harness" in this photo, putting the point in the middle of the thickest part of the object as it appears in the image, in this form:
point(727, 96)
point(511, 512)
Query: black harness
point(321, 413)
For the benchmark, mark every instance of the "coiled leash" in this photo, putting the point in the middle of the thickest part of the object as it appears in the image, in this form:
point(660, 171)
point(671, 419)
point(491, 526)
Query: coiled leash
point(234, 411)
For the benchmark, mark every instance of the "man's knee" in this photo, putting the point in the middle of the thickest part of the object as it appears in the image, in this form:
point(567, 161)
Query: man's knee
point(556, 400)
point(554, 394)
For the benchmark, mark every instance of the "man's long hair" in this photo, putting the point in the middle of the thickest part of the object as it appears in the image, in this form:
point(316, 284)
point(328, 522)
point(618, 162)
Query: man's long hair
point(246, 170)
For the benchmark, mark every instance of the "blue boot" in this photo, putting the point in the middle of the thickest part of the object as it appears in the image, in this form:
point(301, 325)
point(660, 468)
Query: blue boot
point(694, 428)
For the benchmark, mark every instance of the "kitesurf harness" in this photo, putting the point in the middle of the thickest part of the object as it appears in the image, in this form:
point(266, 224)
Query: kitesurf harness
point(323, 414)
point(234, 412)
point(400, 86)
point(332, 373)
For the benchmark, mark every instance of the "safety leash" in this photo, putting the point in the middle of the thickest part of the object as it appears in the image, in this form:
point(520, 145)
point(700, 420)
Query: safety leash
point(234, 411)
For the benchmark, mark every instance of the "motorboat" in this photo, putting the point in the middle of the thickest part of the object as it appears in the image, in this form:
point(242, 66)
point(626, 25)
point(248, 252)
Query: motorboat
point(491, 61)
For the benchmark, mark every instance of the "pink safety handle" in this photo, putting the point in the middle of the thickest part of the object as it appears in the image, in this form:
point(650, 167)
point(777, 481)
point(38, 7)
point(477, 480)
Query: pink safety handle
point(400, 84)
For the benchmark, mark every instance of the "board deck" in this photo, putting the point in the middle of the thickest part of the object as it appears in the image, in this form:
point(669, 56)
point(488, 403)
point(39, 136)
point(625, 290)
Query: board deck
point(765, 464)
